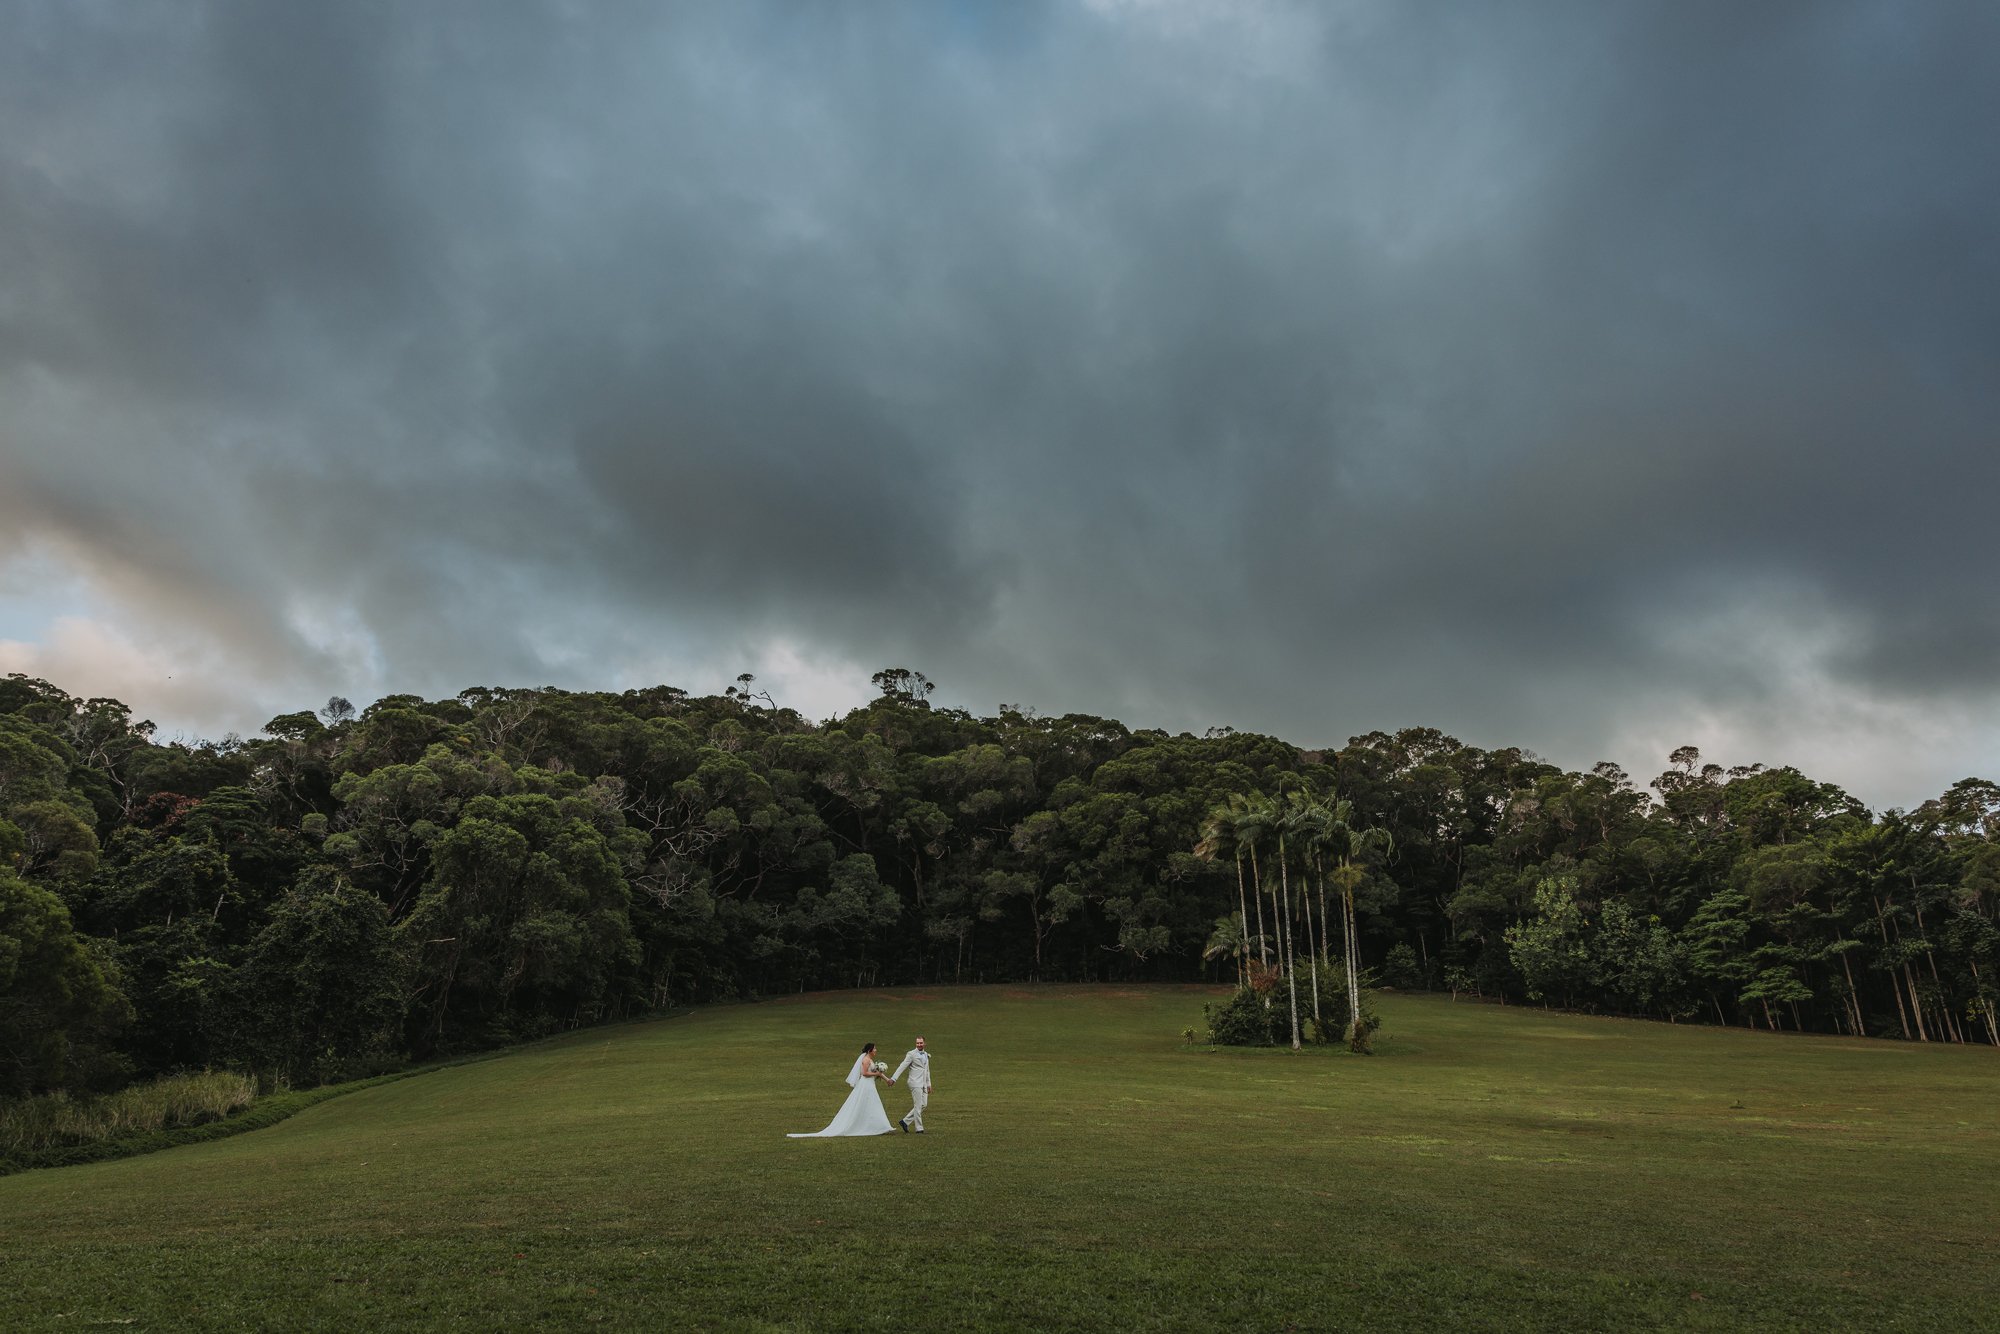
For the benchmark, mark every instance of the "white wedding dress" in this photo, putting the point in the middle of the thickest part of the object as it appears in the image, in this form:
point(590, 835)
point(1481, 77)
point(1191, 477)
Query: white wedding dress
point(862, 1113)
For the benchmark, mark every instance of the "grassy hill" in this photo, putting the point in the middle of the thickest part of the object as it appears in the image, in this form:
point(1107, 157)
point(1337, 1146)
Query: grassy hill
point(1491, 1168)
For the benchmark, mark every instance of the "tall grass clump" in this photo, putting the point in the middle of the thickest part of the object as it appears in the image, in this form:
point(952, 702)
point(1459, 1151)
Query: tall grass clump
point(56, 1120)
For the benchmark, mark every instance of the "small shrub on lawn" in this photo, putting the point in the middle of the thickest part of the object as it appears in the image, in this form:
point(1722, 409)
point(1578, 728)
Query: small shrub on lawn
point(1246, 1019)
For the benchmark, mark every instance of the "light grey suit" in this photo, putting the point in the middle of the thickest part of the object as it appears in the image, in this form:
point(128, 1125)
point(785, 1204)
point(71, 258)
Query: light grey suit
point(918, 1063)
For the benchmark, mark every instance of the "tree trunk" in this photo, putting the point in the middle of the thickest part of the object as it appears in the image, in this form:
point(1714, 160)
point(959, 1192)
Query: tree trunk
point(1985, 1003)
point(1853, 998)
point(1305, 903)
point(1243, 906)
point(1945, 1007)
point(1916, 1001)
point(1325, 949)
point(1313, 957)
point(1353, 958)
point(1291, 961)
point(1910, 982)
point(1902, 1015)
point(1257, 878)
point(1950, 1019)
point(1277, 931)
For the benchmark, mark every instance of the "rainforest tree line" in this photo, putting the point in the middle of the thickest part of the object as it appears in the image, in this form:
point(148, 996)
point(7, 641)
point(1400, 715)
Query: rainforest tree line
point(351, 889)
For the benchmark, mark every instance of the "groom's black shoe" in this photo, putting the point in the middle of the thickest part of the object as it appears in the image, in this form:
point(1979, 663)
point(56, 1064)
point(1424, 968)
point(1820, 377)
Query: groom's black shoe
point(905, 1125)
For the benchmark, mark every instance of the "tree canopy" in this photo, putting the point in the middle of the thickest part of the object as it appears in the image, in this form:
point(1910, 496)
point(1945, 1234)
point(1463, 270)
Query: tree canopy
point(429, 875)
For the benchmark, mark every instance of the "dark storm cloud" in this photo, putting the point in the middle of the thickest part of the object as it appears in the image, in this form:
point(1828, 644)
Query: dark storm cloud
point(1575, 376)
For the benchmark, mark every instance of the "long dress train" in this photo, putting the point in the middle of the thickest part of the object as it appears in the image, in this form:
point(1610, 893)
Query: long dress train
point(861, 1114)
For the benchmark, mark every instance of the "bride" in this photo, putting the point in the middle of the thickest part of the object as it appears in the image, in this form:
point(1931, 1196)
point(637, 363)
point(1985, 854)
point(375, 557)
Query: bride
point(862, 1113)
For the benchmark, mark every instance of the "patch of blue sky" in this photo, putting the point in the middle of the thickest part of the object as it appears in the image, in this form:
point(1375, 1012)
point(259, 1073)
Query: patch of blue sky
point(28, 617)
point(37, 590)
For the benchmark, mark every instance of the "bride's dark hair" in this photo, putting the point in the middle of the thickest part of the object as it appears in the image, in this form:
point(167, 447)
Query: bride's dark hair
point(867, 1047)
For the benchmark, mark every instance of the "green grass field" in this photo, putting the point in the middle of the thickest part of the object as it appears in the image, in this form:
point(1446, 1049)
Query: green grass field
point(1489, 1169)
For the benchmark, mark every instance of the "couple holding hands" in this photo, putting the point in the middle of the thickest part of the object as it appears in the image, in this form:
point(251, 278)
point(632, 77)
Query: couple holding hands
point(862, 1113)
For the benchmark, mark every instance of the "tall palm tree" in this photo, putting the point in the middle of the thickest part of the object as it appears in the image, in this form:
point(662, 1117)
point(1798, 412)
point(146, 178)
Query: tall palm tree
point(1219, 835)
point(1354, 849)
point(1282, 824)
point(1309, 817)
point(1252, 816)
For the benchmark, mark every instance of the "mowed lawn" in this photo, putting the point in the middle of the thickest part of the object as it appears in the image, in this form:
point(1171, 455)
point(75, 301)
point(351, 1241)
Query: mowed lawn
point(1087, 1168)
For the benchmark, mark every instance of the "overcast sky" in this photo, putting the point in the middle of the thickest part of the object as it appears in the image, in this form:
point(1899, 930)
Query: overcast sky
point(1591, 377)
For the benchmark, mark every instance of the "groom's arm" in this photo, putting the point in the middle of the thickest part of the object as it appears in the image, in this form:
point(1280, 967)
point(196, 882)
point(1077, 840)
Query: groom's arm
point(904, 1066)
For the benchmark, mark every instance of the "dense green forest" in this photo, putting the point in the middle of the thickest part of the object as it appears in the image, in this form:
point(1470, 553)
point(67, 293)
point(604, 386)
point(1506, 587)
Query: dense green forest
point(352, 890)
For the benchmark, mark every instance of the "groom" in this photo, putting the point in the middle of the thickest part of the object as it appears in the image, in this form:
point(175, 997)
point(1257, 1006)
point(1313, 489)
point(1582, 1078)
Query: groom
point(918, 1063)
